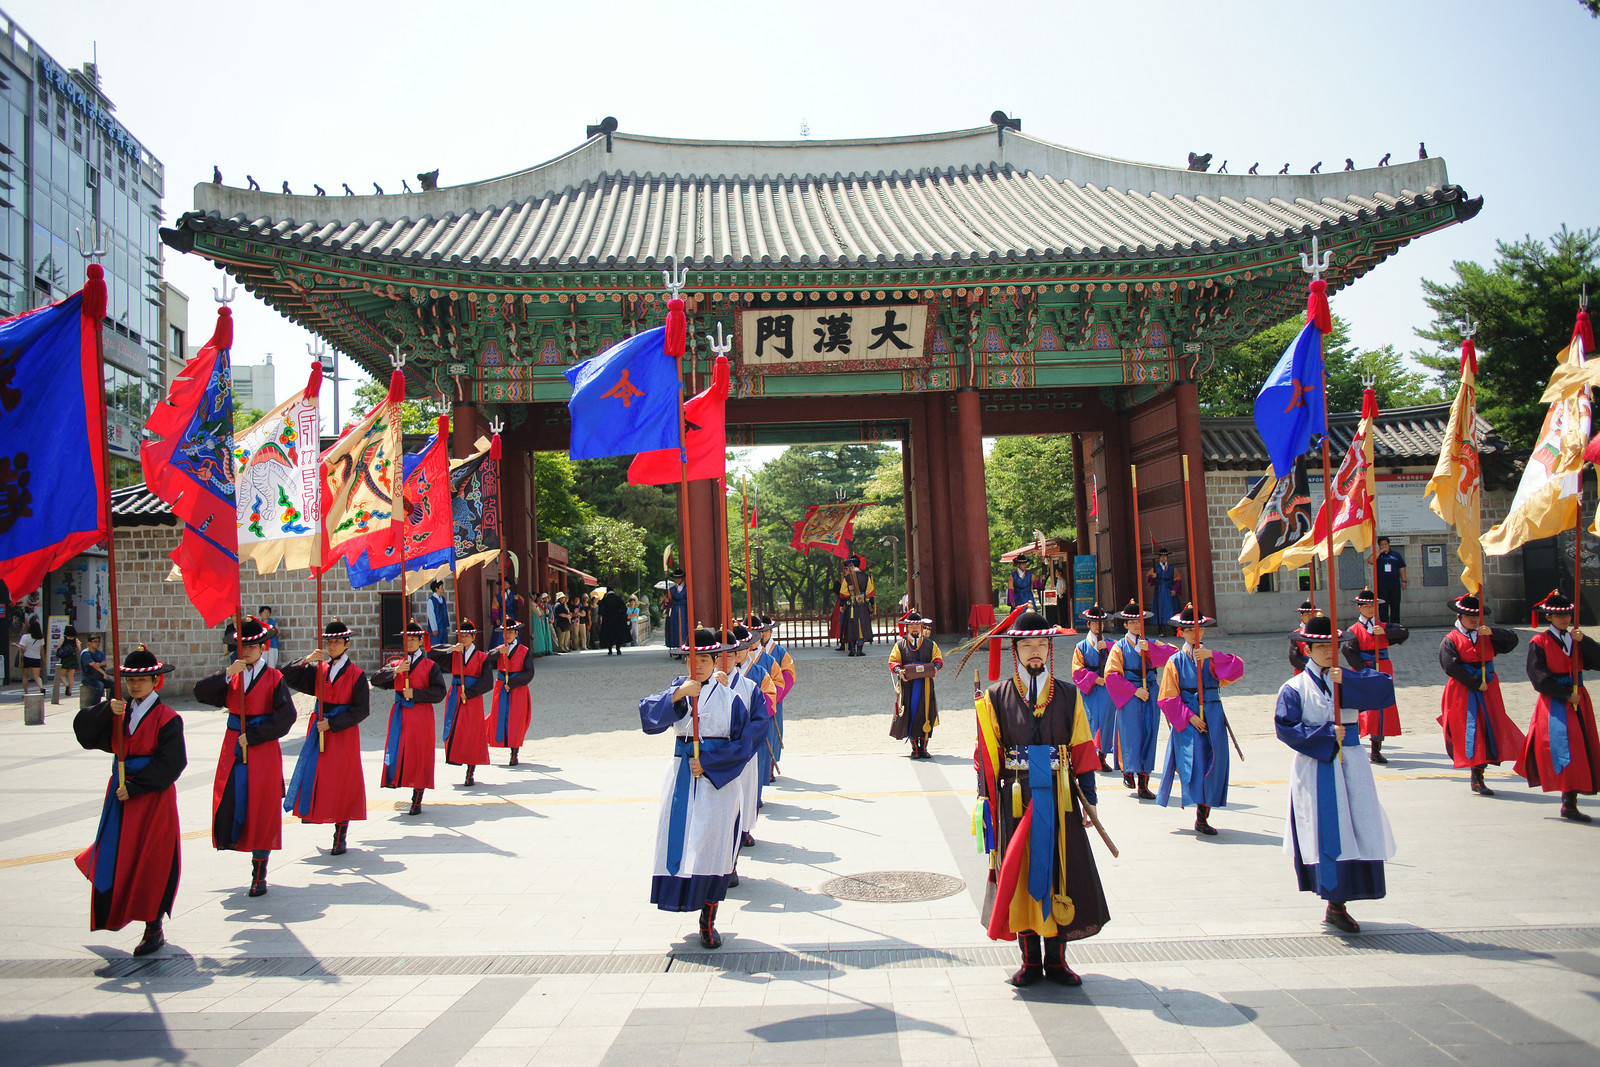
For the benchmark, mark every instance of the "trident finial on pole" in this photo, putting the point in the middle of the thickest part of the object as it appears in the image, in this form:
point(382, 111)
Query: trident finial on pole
point(225, 295)
point(1471, 331)
point(496, 424)
point(675, 279)
point(317, 351)
point(720, 347)
point(398, 359)
point(1583, 297)
point(93, 250)
point(1313, 264)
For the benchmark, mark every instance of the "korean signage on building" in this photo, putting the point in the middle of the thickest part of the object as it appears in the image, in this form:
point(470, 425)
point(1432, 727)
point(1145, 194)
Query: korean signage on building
point(776, 337)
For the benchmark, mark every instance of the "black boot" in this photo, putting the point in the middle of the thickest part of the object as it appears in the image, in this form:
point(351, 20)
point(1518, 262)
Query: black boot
point(1569, 808)
point(733, 880)
point(513, 762)
point(1201, 825)
point(1337, 917)
point(709, 938)
point(1144, 788)
point(746, 841)
point(1105, 764)
point(258, 878)
point(153, 939)
point(1478, 785)
point(1055, 962)
point(470, 769)
point(1377, 750)
point(416, 802)
point(340, 831)
point(1127, 780)
point(1032, 961)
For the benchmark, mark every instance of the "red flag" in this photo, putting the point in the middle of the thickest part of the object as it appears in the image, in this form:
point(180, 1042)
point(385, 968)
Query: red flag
point(1353, 497)
point(429, 537)
point(704, 434)
point(1094, 495)
point(190, 467)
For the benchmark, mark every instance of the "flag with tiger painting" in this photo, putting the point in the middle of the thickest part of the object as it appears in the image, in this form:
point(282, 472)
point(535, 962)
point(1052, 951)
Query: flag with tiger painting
point(1455, 492)
point(425, 526)
point(361, 476)
point(279, 485)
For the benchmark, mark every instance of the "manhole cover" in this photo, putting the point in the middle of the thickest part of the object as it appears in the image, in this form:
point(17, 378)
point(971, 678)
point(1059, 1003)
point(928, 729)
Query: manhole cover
point(889, 887)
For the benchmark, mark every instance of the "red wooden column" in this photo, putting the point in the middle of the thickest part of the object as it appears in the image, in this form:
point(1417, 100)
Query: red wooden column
point(960, 556)
point(917, 479)
point(703, 515)
point(973, 511)
point(1116, 521)
point(463, 436)
point(939, 574)
point(1186, 397)
point(514, 463)
point(1080, 495)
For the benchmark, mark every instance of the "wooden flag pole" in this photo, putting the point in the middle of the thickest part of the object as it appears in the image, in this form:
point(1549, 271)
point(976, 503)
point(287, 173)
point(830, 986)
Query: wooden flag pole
point(744, 514)
point(96, 276)
point(1138, 586)
point(1577, 527)
point(720, 347)
point(675, 279)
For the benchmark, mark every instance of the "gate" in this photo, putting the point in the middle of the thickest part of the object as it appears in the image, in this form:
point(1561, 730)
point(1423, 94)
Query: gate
point(802, 628)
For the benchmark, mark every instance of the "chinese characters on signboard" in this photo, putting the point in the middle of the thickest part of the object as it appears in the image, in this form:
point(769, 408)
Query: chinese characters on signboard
point(777, 337)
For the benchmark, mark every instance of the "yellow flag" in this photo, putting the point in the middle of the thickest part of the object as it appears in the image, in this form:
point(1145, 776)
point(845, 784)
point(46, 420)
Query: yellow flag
point(1273, 515)
point(1455, 491)
point(1547, 498)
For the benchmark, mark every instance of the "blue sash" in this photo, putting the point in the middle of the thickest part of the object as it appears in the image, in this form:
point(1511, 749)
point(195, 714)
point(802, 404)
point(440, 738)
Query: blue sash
point(297, 798)
point(1560, 739)
point(1328, 844)
point(678, 820)
point(1042, 839)
point(1478, 712)
point(457, 692)
point(502, 710)
point(391, 744)
point(108, 838)
point(241, 771)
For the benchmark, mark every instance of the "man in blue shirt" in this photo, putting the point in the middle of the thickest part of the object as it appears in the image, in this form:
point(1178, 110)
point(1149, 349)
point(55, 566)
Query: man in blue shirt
point(1391, 580)
point(92, 676)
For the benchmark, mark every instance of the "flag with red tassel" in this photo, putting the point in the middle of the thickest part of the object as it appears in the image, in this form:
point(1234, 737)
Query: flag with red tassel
point(1291, 407)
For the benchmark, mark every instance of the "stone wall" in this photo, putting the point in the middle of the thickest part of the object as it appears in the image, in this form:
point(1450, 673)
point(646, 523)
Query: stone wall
point(1263, 612)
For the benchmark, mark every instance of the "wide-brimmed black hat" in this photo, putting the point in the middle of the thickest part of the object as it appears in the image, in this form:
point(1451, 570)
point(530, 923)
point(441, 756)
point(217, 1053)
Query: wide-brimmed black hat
point(1306, 605)
point(1131, 612)
point(511, 624)
point(741, 634)
point(337, 628)
point(1468, 605)
point(706, 640)
point(413, 628)
point(1554, 603)
point(1023, 561)
point(915, 616)
point(1032, 624)
point(466, 626)
point(141, 662)
point(1314, 630)
point(1162, 552)
point(255, 632)
point(1094, 613)
point(767, 625)
point(1367, 596)
point(676, 572)
point(1189, 616)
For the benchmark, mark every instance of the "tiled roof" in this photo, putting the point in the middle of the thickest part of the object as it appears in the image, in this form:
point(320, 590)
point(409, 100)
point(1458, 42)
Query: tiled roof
point(134, 505)
point(1402, 436)
point(960, 199)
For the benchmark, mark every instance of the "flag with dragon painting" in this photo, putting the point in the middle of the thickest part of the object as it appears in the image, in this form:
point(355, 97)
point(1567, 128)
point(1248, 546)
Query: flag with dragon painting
point(360, 476)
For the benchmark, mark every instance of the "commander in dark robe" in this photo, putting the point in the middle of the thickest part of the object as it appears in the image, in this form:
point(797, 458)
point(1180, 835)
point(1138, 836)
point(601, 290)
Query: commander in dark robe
point(613, 632)
point(857, 596)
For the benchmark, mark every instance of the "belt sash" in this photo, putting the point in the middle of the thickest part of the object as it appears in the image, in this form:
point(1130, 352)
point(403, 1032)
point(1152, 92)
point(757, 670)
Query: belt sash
point(678, 818)
point(302, 783)
point(1478, 714)
point(1558, 729)
point(1042, 837)
point(108, 838)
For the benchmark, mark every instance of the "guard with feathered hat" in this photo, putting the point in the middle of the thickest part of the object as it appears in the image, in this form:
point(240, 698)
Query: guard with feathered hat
point(1198, 759)
point(1477, 731)
point(1366, 647)
point(466, 739)
point(328, 785)
point(1337, 832)
point(247, 793)
point(1036, 775)
point(418, 685)
point(132, 866)
point(1563, 749)
point(1132, 675)
point(913, 663)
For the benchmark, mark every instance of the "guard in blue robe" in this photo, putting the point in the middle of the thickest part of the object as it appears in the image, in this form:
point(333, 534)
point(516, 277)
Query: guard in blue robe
point(677, 613)
point(1089, 657)
point(1167, 588)
point(1133, 667)
point(1198, 758)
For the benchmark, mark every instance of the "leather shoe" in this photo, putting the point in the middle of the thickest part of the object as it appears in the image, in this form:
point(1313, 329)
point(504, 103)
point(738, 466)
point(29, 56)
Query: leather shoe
point(1574, 815)
point(151, 942)
point(1340, 919)
point(1063, 976)
point(1026, 976)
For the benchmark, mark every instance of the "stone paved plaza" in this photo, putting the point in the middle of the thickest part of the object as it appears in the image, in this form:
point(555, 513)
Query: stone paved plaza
point(509, 923)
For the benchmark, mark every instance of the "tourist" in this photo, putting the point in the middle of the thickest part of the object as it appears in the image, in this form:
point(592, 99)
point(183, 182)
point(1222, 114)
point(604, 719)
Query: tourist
point(697, 838)
point(916, 710)
point(1391, 580)
point(541, 637)
point(30, 647)
point(67, 660)
point(133, 864)
point(438, 614)
point(1197, 752)
point(1166, 585)
point(1366, 647)
point(270, 653)
point(1477, 731)
point(859, 596)
point(1336, 831)
point(563, 623)
point(633, 620)
point(1036, 763)
point(1020, 590)
point(1298, 652)
point(328, 785)
point(418, 685)
point(466, 738)
point(580, 623)
point(92, 671)
point(1563, 750)
point(247, 793)
point(613, 629)
point(675, 611)
point(1089, 658)
point(1129, 671)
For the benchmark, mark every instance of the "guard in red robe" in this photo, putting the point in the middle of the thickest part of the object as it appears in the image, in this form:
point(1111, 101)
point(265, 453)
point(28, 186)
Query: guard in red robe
point(1299, 651)
point(327, 785)
point(511, 709)
point(1366, 647)
point(1477, 730)
point(418, 685)
point(1563, 750)
point(465, 732)
point(134, 861)
point(247, 793)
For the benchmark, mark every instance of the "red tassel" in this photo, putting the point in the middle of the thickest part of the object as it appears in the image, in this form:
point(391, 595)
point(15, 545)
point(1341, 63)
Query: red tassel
point(994, 659)
point(1469, 357)
point(677, 329)
point(444, 427)
point(397, 379)
point(494, 447)
point(1584, 332)
point(314, 382)
point(94, 293)
point(1317, 311)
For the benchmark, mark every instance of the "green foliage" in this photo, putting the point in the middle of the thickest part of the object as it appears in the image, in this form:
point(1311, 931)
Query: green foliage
point(1593, 7)
point(1230, 387)
point(1029, 481)
point(1523, 306)
point(419, 416)
point(611, 548)
point(243, 420)
point(602, 485)
point(560, 511)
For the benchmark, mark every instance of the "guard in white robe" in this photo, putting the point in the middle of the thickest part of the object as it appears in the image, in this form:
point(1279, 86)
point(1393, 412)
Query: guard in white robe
point(750, 690)
point(702, 800)
point(1336, 832)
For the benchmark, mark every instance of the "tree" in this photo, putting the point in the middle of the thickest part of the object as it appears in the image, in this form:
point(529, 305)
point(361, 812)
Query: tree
point(243, 420)
point(1593, 7)
point(613, 548)
point(1523, 307)
point(602, 485)
point(418, 416)
point(1230, 387)
point(1029, 482)
point(561, 513)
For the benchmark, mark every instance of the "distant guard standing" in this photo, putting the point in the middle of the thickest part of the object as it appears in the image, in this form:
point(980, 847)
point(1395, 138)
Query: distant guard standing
point(1198, 759)
point(1089, 658)
point(465, 731)
point(914, 661)
point(1366, 647)
point(1133, 676)
point(858, 595)
point(511, 708)
point(1477, 731)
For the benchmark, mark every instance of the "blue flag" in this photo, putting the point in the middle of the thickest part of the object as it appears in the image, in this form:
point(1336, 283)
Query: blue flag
point(625, 400)
point(52, 431)
point(1291, 407)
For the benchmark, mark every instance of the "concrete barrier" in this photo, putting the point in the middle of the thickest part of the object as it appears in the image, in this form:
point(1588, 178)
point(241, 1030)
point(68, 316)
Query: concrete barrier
point(33, 709)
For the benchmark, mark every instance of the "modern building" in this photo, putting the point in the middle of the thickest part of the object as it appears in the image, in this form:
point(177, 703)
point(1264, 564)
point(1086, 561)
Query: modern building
point(253, 386)
point(174, 332)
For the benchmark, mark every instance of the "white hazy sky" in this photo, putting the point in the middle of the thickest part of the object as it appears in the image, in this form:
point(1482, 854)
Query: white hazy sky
point(334, 92)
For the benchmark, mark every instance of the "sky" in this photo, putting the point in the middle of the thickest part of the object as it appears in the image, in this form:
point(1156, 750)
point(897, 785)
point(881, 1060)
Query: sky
point(362, 92)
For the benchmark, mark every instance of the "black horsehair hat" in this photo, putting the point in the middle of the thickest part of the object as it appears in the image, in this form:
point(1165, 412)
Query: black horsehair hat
point(1306, 605)
point(1367, 596)
point(1032, 624)
point(1314, 631)
point(1094, 613)
point(141, 662)
point(336, 628)
point(706, 640)
point(1468, 605)
point(1554, 603)
point(1190, 616)
point(1132, 612)
point(466, 626)
point(255, 632)
point(413, 628)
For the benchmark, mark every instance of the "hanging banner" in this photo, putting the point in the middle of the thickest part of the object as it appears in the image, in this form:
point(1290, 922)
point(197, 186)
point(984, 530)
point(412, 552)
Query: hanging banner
point(809, 338)
point(828, 527)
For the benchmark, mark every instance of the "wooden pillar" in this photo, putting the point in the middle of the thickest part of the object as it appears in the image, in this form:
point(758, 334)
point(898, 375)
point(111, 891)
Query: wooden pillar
point(514, 462)
point(1080, 495)
point(1186, 399)
point(916, 466)
point(960, 556)
point(974, 510)
point(940, 575)
point(464, 435)
point(1117, 501)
